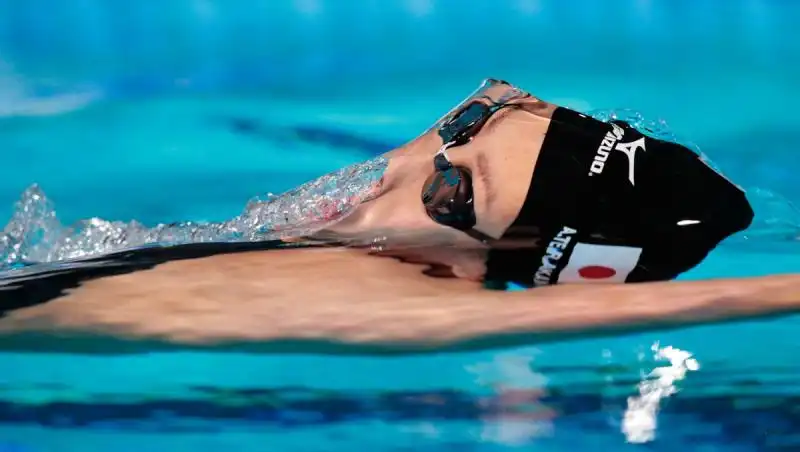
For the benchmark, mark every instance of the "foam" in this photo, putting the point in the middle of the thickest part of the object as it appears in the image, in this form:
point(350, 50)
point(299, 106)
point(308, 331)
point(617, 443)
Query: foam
point(35, 234)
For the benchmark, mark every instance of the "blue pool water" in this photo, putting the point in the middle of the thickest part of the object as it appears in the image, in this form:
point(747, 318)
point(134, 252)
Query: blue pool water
point(184, 110)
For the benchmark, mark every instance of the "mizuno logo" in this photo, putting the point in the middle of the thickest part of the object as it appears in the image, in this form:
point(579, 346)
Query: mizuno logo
point(630, 149)
point(611, 142)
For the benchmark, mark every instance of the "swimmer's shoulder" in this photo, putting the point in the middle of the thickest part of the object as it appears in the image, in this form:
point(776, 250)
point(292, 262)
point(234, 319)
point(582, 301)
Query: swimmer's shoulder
point(225, 272)
point(36, 284)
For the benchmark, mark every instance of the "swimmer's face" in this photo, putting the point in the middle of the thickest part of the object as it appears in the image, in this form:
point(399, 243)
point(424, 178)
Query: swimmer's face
point(501, 158)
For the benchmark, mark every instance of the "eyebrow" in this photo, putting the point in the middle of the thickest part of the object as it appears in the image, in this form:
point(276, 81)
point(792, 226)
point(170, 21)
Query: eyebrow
point(483, 173)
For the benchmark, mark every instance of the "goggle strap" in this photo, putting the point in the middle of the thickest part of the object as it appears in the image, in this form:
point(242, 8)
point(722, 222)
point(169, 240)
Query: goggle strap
point(441, 161)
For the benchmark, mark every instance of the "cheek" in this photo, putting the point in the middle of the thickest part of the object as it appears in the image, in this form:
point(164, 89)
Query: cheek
point(402, 209)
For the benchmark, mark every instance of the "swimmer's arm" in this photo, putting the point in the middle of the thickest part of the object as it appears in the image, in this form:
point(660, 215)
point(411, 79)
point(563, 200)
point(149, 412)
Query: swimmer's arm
point(239, 307)
point(486, 320)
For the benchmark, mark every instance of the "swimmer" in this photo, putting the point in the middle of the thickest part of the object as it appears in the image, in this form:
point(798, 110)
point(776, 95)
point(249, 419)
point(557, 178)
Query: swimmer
point(592, 219)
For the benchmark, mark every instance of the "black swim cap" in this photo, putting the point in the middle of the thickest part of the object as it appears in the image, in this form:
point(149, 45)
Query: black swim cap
point(614, 205)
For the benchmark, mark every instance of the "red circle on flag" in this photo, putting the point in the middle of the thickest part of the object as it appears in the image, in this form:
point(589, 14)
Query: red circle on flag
point(596, 272)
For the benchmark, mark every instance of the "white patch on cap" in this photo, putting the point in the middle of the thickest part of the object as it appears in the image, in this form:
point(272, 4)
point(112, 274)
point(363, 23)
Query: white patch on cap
point(599, 264)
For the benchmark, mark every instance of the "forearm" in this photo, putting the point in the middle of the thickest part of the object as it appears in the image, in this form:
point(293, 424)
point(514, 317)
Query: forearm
point(486, 320)
point(591, 310)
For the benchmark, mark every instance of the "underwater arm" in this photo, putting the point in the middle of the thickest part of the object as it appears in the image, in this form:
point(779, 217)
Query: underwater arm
point(326, 302)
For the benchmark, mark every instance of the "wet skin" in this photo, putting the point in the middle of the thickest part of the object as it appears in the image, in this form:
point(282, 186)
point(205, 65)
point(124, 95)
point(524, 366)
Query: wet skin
point(419, 289)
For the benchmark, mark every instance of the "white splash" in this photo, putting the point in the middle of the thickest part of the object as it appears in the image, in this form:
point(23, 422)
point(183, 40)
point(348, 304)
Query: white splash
point(640, 419)
point(572, 103)
point(36, 235)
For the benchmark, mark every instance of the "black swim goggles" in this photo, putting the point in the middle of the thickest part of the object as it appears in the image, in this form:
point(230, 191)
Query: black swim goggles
point(448, 193)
